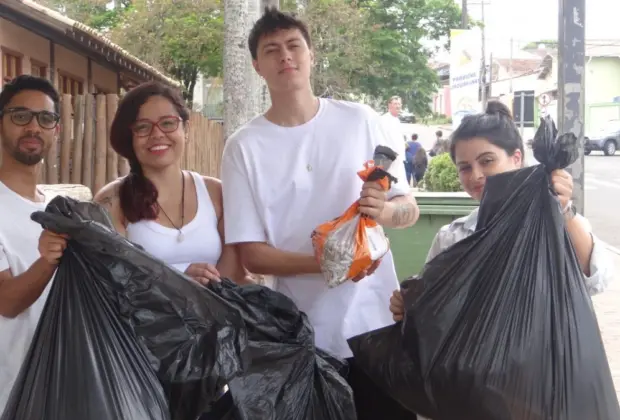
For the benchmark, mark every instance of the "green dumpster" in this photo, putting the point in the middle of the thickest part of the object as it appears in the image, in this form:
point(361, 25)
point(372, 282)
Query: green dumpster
point(410, 246)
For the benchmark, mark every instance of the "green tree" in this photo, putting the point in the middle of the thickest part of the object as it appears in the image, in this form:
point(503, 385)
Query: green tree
point(338, 32)
point(398, 29)
point(97, 14)
point(374, 48)
point(181, 37)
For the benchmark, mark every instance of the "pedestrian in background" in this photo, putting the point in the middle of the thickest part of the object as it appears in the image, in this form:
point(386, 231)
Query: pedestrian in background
point(411, 150)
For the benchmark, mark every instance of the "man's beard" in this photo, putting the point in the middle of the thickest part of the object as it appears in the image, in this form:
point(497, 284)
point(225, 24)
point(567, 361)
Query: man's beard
point(25, 158)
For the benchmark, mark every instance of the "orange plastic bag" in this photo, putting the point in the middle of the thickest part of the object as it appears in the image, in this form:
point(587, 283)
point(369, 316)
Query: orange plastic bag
point(350, 244)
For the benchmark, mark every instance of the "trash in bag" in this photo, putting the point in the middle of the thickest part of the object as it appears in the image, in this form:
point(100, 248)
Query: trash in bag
point(381, 355)
point(504, 328)
point(84, 363)
point(122, 333)
point(352, 243)
point(284, 359)
point(193, 339)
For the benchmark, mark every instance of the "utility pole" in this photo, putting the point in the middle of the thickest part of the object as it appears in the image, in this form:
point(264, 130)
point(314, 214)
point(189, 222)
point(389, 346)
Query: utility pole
point(491, 75)
point(510, 66)
point(269, 3)
point(464, 17)
point(571, 98)
point(483, 65)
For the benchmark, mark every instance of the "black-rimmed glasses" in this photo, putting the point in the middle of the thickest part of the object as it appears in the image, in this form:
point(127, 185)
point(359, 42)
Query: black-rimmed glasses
point(167, 124)
point(23, 116)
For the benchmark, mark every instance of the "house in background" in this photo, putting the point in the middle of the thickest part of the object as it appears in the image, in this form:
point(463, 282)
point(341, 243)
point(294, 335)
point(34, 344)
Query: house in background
point(441, 99)
point(602, 83)
point(513, 75)
point(77, 59)
point(504, 76)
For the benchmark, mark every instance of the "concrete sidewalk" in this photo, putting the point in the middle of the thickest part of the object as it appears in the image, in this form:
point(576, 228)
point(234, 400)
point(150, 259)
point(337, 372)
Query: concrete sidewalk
point(607, 306)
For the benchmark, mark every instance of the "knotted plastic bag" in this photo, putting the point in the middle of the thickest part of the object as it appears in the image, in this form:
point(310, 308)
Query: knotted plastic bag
point(503, 328)
point(288, 378)
point(353, 243)
point(125, 336)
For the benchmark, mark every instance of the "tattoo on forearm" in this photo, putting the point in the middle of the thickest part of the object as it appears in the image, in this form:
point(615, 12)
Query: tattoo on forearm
point(404, 214)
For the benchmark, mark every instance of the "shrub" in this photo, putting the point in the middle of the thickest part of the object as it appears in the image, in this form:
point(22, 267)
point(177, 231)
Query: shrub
point(441, 175)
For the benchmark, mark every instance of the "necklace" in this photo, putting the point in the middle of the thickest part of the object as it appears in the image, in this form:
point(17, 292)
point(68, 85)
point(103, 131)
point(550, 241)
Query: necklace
point(180, 237)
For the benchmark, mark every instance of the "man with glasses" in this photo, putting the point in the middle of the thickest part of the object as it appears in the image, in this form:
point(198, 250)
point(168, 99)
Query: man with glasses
point(28, 255)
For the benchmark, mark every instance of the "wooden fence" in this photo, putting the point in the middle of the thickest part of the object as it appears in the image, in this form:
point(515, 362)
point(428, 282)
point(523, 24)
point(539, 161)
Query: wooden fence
point(83, 154)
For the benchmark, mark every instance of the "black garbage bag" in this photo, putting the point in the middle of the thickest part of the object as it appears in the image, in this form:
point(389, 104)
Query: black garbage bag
point(381, 355)
point(84, 363)
point(284, 359)
point(504, 328)
point(122, 335)
point(195, 339)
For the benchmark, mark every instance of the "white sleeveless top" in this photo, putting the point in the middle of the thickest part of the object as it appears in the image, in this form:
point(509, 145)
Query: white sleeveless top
point(201, 240)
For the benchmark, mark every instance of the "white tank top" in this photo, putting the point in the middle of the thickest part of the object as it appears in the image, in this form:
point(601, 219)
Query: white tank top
point(201, 239)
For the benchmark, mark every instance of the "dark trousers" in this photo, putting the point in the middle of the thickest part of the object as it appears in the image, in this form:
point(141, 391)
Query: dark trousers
point(409, 172)
point(371, 403)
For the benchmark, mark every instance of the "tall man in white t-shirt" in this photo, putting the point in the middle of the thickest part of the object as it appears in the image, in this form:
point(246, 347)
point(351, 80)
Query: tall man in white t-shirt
point(28, 255)
point(295, 167)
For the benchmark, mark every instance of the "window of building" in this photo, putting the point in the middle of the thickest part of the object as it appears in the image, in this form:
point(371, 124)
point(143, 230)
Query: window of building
point(11, 66)
point(70, 85)
point(38, 69)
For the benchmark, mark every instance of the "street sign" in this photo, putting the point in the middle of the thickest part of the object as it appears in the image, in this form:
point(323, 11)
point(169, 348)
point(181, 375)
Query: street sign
point(544, 99)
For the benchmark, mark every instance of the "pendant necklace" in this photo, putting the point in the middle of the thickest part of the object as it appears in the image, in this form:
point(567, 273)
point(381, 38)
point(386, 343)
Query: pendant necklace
point(180, 236)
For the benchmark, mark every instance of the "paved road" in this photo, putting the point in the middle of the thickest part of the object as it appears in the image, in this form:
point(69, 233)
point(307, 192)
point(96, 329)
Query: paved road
point(608, 315)
point(602, 194)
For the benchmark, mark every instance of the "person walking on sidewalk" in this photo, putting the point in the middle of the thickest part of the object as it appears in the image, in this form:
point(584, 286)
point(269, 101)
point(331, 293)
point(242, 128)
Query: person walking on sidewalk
point(29, 255)
point(295, 167)
point(411, 149)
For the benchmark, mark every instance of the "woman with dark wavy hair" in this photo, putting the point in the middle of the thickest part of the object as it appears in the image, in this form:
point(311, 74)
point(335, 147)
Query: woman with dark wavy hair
point(175, 215)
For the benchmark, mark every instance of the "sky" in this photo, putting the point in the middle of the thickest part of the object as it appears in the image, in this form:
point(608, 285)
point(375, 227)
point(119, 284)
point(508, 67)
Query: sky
point(532, 20)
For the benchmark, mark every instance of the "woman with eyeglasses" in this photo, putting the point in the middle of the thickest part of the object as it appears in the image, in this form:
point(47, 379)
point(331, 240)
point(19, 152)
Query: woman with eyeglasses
point(173, 214)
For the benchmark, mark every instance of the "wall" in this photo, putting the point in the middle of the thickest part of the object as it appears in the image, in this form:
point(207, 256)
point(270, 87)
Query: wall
point(441, 101)
point(104, 79)
point(71, 63)
point(602, 79)
point(28, 45)
point(502, 87)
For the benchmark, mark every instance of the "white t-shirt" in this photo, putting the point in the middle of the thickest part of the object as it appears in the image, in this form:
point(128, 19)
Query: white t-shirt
point(19, 241)
point(393, 124)
point(279, 183)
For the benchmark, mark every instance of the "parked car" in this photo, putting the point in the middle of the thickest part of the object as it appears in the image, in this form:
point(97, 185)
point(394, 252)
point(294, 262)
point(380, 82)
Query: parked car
point(607, 139)
point(407, 118)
